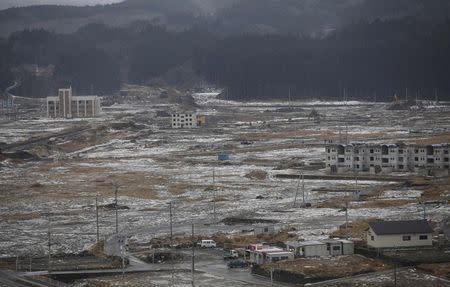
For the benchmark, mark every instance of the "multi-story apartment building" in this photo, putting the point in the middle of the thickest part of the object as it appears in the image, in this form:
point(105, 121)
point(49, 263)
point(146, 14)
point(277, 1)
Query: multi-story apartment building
point(187, 120)
point(361, 157)
point(65, 105)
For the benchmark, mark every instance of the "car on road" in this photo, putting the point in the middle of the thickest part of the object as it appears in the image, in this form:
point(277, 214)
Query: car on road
point(207, 243)
point(239, 263)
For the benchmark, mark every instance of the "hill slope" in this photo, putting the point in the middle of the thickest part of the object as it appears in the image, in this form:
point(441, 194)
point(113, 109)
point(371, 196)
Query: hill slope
point(223, 16)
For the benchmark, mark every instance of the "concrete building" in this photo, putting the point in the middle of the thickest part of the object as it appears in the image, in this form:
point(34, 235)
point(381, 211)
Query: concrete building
point(308, 248)
point(65, 105)
point(392, 234)
point(187, 120)
point(386, 158)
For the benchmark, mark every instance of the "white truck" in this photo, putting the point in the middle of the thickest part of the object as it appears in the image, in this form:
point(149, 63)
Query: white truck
point(207, 243)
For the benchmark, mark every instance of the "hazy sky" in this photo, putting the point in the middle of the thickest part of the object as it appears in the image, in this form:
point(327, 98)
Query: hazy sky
point(11, 3)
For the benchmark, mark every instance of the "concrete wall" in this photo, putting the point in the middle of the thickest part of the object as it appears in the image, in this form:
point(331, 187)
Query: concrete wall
point(315, 250)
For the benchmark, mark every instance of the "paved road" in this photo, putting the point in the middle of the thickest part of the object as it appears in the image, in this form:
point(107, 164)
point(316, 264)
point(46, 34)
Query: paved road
point(11, 279)
point(41, 140)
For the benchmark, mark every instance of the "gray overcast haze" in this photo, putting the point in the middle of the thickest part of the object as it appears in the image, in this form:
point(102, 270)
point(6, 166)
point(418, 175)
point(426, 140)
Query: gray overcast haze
point(4, 4)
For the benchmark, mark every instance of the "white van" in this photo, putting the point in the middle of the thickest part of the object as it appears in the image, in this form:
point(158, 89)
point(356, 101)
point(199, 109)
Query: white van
point(207, 243)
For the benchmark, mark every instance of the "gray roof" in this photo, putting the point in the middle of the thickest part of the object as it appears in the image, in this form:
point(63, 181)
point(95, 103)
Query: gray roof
point(400, 227)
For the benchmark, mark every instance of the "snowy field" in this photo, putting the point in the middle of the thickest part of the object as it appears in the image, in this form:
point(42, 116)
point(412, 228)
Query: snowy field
point(153, 167)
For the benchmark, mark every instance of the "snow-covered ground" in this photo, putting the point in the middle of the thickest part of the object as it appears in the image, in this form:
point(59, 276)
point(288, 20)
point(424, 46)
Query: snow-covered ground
point(178, 166)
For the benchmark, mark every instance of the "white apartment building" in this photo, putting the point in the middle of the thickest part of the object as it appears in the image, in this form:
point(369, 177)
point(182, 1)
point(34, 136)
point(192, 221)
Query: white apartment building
point(386, 158)
point(65, 105)
point(186, 120)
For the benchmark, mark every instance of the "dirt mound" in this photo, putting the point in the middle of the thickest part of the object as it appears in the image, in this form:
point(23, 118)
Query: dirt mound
point(328, 268)
point(240, 220)
point(112, 206)
point(257, 174)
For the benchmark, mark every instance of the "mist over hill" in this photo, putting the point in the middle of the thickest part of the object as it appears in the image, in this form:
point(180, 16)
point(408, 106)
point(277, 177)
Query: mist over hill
point(312, 17)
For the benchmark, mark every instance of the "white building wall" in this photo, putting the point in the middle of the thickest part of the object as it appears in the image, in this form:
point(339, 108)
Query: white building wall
point(184, 120)
point(315, 250)
point(396, 240)
point(362, 157)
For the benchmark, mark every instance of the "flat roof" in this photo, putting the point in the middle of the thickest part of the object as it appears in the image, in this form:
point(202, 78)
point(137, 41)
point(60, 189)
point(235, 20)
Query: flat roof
point(305, 243)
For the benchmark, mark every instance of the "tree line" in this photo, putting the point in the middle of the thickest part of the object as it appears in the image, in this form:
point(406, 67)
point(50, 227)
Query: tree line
point(366, 60)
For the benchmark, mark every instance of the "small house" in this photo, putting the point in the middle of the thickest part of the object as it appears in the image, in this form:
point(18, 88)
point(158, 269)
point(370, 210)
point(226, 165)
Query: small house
point(308, 248)
point(268, 254)
point(406, 233)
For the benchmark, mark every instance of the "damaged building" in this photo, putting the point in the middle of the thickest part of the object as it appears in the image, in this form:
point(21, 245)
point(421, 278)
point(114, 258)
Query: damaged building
point(68, 106)
point(386, 158)
point(188, 120)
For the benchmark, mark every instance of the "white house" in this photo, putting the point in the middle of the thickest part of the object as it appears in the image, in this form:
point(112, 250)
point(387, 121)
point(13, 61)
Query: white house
point(392, 234)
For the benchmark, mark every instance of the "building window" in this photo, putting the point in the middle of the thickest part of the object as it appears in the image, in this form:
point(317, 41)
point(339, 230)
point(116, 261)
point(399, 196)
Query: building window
point(423, 237)
point(406, 238)
point(372, 238)
point(336, 248)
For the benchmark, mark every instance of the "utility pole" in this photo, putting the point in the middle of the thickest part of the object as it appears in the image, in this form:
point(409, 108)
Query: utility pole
point(271, 276)
point(193, 256)
point(424, 211)
point(123, 259)
point(116, 187)
point(346, 219)
point(303, 190)
point(96, 215)
point(49, 246)
point(214, 193)
point(298, 186)
point(171, 230)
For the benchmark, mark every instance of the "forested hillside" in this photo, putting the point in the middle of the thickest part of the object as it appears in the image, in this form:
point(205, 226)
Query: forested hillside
point(364, 61)
point(285, 52)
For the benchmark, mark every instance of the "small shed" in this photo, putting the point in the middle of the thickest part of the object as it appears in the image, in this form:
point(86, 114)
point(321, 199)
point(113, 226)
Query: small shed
point(264, 229)
point(278, 256)
point(340, 247)
point(308, 248)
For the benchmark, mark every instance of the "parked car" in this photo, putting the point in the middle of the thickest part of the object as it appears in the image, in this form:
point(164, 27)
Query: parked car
point(230, 254)
point(207, 243)
point(239, 263)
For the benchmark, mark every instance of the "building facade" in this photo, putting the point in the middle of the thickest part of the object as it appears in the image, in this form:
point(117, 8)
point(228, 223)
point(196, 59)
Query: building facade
point(386, 158)
point(393, 234)
point(65, 105)
point(187, 120)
